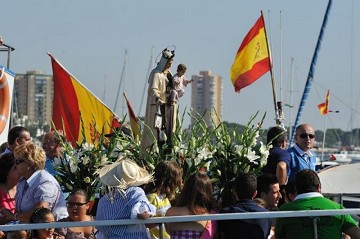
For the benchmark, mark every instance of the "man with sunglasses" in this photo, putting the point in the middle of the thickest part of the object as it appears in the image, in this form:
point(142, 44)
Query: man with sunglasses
point(302, 157)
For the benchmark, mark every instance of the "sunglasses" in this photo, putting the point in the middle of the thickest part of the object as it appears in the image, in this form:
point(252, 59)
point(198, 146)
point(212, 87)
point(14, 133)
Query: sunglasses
point(304, 136)
point(19, 161)
point(75, 204)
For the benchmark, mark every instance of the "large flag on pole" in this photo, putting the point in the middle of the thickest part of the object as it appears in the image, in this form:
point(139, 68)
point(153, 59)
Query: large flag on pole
point(252, 60)
point(74, 103)
point(134, 121)
point(324, 107)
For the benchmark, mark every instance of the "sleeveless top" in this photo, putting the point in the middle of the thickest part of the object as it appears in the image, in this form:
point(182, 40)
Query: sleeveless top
point(69, 234)
point(162, 204)
point(6, 201)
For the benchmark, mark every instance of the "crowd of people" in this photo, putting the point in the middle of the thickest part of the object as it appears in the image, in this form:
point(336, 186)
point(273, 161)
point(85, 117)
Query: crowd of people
point(30, 194)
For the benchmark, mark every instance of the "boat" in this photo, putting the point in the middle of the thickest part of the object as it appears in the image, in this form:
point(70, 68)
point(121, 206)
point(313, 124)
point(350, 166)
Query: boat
point(346, 156)
point(340, 157)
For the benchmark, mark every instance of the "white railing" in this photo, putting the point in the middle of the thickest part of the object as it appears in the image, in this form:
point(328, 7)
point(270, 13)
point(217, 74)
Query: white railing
point(157, 220)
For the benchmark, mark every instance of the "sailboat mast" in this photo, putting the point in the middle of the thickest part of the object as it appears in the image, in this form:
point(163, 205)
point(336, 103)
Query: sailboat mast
point(277, 116)
point(311, 71)
point(291, 98)
point(281, 45)
point(121, 80)
point(146, 78)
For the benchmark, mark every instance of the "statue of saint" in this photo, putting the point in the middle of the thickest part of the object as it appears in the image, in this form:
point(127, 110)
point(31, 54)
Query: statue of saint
point(159, 117)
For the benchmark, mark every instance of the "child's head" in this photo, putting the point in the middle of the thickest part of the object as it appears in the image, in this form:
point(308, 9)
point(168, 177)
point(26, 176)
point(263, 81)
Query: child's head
point(181, 69)
point(167, 179)
point(21, 234)
point(42, 215)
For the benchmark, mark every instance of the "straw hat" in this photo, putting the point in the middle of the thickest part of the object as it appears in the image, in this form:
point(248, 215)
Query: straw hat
point(123, 174)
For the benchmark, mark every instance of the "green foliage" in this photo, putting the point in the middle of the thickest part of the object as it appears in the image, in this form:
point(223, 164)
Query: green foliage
point(222, 152)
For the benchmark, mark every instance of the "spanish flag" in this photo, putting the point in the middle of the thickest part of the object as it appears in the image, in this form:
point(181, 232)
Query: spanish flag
point(74, 105)
point(134, 121)
point(324, 107)
point(252, 60)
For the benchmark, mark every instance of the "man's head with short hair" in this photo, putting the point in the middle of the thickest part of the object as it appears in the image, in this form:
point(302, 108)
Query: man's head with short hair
point(305, 137)
point(245, 186)
point(307, 181)
point(18, 135)
point(268, 188)
point(51, 144)
point(277, 136)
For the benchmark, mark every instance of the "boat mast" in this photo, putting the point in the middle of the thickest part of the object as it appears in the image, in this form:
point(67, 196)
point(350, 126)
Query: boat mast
point(121, 81)
point(311, 71)
point(290, 105)
point(147, 78)
point(277, 105)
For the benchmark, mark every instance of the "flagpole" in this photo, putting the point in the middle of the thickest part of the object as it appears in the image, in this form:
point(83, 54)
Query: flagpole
point(277, 115)
point(323, 143)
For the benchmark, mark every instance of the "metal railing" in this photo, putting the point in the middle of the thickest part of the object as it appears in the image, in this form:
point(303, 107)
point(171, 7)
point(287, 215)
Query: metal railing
point(159, 220)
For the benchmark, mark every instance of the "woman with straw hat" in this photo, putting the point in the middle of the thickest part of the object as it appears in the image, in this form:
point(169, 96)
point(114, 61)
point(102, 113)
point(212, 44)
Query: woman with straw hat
point(124, 200)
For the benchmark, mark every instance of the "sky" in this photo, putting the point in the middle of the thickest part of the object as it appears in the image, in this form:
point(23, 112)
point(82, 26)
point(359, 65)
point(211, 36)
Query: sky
point(89, 38)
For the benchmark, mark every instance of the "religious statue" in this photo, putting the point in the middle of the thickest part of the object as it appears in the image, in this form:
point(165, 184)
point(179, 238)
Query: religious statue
point(160, 115)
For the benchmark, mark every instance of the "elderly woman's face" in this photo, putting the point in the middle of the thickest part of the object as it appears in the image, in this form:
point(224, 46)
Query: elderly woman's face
point(22, 167)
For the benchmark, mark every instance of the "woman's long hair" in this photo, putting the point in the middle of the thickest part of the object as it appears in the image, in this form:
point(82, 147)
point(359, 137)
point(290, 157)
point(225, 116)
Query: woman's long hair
point(167, 179)
point(197, 194)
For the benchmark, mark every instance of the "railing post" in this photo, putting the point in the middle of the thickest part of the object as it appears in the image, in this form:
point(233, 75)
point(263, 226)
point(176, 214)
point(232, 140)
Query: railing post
point(315, 220)
point(160, 225)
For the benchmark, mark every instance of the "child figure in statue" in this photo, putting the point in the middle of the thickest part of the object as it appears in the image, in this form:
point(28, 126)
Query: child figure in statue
point(179, 82)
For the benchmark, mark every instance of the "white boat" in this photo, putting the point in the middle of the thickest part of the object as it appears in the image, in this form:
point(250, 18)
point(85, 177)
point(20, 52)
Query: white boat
point(341, 157)
point(346, 156)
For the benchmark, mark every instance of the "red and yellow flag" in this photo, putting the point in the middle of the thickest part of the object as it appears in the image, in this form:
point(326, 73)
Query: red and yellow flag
point(252, 60)
point(134, 121)
point(73, 103)
point(324, 107)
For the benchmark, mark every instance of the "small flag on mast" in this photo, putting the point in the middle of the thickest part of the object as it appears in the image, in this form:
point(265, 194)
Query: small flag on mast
point(252, 60)
point(324, 107)
point(134, 122)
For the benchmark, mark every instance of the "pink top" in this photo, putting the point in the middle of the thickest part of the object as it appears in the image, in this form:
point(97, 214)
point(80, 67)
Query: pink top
point(6, 201)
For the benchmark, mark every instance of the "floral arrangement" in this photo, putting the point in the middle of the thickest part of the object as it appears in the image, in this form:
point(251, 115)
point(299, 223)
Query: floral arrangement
point(222, 153)
point(78, 166)
point(219, 151)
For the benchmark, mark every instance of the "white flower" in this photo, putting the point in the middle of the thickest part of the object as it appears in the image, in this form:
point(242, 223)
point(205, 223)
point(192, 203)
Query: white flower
point(251, 155)
point(197, 160)
point(104, 159)
point(87, 147)
point(238, 149)
point(73, 167)
point(204, 153)
point(85, 160)
point(263, 161)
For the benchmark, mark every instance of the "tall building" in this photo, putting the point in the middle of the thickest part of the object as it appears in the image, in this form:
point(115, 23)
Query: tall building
point(34, 96)
point(206, 96)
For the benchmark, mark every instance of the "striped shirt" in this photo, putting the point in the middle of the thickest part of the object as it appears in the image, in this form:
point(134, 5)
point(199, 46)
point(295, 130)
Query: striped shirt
point(118, 206)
